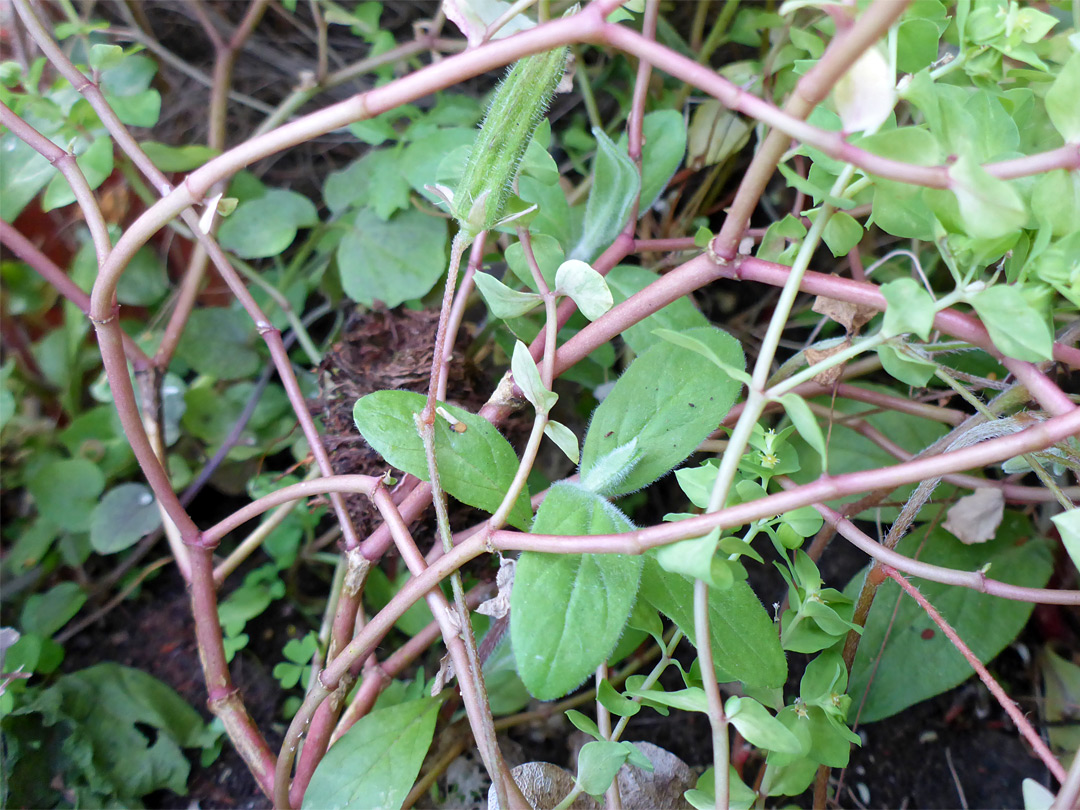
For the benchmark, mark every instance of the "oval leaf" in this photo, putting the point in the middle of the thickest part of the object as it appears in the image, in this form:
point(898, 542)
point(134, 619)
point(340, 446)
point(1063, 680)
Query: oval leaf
point(376, 762)
point(476, 466)
point(567, 611)
point(669, 399)
point(745, 644)
point(125, 514)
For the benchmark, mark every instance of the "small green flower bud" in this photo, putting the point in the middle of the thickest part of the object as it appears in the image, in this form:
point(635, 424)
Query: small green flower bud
point(519, 103)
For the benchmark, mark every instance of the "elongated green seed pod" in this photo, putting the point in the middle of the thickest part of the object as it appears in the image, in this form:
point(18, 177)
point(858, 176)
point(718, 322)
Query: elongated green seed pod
point(519, 103)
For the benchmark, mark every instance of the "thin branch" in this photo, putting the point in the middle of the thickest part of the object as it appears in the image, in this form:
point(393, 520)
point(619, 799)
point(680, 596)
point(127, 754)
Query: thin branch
point(1017, 716)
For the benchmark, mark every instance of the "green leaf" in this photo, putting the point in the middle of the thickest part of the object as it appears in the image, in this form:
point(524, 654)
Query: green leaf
point(419, 162)
point(220, 343)
point(503, 302)
point(804, 420)
point(264, 227)
point(476, 467)
point(23, 173)
point(585, 286)
point(716, 133)
point(918, 662)
point(1061, 99)
point(611, 469)
point(45, 613)
point(616, 184)
point(989, 207)
point(668, 400)
point(842, 233)
point(103, 57)
point(392, 261)
point(1068, 526)
point(564, 438)
point(850, 452)
point(131, 77)
point(583, 723)
point(96, 164)
point(376, 762)
point(374, 180)
point(527, 377)
point(703, 797)
point(692, 699)
point(911, 309)
point(66, 492)
point(144, 282)
point(905, 367)
point(599, 763)
point(664, 136)
point(1017, 328)
point(548, 254)
point(614, 702)
point(178, 158)
point(916, 45)
point(126, 514)
point(1056, 198)
point(900, 208)
point(697, 558)
point(745, 643)
point(680, 315)
point(759, 727)
point(138, 109)
point(110, 708)
point(567, 611)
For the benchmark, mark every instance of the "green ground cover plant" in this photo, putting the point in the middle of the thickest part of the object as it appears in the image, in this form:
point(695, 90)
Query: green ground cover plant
point(597, 326)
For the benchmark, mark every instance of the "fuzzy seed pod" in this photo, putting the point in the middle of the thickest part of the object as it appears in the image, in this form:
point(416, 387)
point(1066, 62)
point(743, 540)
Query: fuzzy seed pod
point(519, 103)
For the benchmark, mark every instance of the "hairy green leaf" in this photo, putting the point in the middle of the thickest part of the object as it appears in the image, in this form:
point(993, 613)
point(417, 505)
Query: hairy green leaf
point(569, 610)
point(668, 400)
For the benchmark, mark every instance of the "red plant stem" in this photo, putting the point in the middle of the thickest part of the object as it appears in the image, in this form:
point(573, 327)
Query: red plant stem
point(457, 311)
point(833, 144)
point(974, 580)
point(377, 676)
point(103, 310)
point(472, 695)
point(224, 60)
point(224, 698)
point(1017, 493)
point(701, 270)
point(1068, 797)
point(1038, 436)
point(1017, 716)
point(44, 266)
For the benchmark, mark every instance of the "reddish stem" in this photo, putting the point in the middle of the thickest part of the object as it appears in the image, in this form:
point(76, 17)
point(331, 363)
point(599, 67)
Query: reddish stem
point(1017, 716)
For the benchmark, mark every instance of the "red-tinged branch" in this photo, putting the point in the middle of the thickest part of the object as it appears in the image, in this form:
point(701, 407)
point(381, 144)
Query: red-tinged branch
point(1017, 716)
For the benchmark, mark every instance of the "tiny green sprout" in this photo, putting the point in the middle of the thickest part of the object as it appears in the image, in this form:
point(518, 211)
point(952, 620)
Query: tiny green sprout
point(519, 103)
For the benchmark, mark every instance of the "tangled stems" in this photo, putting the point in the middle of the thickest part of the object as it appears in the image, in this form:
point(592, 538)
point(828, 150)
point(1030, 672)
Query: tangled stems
point(589, 25)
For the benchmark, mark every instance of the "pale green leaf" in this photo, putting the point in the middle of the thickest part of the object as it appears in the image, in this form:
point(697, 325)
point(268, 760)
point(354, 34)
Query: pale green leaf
point(911, 309)
point(1017, 328)
point(585, 286)
point(502, 301)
